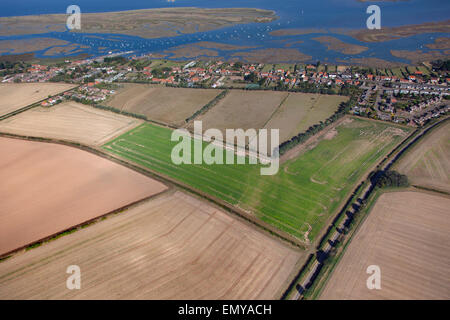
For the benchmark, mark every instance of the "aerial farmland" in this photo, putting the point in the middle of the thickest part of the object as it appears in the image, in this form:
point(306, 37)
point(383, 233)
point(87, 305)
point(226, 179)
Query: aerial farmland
point(302, 110)
point(158, 223)
point(243, 109)
point(214, 159)
point(404, 232)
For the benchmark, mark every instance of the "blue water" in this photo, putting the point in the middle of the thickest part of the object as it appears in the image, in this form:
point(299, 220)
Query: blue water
point(325, 13)
point(328, 14)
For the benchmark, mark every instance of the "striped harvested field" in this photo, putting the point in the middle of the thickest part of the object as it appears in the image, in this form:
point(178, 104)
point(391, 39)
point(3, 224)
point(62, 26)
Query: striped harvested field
point(407, 234)
point(173, 246)
point(162, 104)
point(18, 95)
point(69, 121)
point(428, 163)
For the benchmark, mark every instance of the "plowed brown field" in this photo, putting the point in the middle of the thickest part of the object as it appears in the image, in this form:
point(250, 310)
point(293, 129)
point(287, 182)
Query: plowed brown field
point(47, 188)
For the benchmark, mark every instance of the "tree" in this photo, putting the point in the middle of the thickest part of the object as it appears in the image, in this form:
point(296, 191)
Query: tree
point(157, 72)
point(237, 65)
point(440, 65)
point(252, 77)
point(262, 81)
point(390, 178)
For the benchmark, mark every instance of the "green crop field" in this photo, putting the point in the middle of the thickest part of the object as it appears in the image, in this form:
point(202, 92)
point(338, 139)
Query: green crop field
point(304, 193)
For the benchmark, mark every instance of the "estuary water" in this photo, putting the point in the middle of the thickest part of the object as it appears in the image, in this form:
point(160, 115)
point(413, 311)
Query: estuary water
point(324, 14)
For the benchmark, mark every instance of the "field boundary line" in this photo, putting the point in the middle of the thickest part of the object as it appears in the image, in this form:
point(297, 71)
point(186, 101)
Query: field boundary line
point(78, 226)
point(434, 191)
point(138, 116)
point(276, 109)
point(211, 104)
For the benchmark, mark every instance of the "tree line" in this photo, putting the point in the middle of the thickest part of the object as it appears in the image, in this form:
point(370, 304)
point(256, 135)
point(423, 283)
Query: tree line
point(389, 179)
point(344, 107)
point(208, 106)
point(125, 113)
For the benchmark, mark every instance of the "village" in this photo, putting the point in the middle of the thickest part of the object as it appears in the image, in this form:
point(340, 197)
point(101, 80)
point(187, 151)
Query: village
point(410, 95)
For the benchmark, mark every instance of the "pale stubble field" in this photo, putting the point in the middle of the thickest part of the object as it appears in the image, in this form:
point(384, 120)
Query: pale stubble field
point(171, 106)
point(18, 95)
point(290, 113)
point(173, 246)
point(428, 163)
point(70, 121)
point(407, 234)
